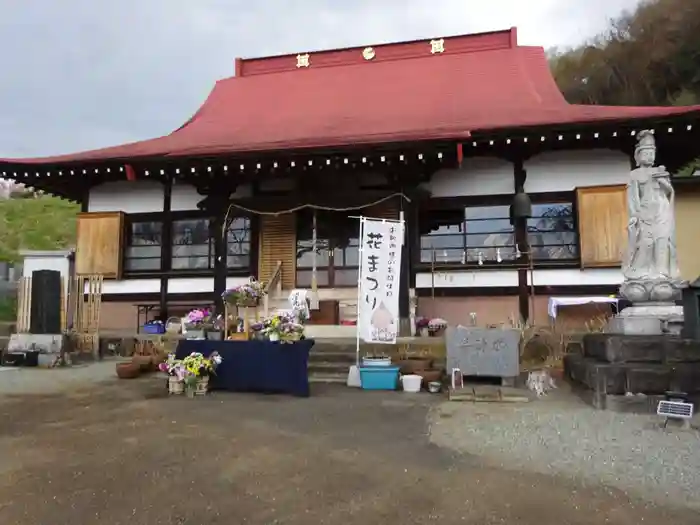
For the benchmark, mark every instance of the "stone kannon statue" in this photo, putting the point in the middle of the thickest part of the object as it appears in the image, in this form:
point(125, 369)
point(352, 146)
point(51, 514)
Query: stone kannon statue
point(650, 266)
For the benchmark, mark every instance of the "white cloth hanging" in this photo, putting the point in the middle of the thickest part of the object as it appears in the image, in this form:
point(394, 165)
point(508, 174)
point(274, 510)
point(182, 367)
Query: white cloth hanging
point(299, 302)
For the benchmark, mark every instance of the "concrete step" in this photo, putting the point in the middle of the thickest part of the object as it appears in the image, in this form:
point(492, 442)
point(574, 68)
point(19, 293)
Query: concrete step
point(324, 367)
point(332, 357)
point(329, 378)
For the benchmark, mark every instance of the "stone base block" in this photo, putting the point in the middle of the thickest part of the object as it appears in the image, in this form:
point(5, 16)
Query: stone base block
point(619, 348)
point(45, 343)
point(648, 319)
point(629, 385)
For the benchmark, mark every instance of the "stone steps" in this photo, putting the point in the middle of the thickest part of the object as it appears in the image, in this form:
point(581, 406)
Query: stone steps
point(329, 377)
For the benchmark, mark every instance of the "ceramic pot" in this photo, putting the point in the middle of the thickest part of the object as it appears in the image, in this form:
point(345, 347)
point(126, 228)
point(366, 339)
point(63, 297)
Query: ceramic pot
point(434, 387)
point(274, 337)
point(424, 332)
point(128, 370)
point(144, 362)
point(194, 334)
point(214, 335)
point(429, 376)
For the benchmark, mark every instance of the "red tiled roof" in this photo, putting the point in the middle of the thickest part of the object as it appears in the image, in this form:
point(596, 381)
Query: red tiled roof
point(406, 93)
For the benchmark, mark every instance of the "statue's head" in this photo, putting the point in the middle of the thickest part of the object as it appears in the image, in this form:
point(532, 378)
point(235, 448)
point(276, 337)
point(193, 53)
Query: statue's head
point(645, 152)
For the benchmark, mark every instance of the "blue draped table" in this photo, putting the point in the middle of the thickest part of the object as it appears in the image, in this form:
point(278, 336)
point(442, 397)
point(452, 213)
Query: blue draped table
point(256, 366)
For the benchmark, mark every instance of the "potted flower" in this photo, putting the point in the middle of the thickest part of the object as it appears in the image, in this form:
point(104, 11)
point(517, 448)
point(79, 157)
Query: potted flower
point(422, 326)
point(437, 326)
point(291, 331)
point(176, 374)
point(256, 330)
point(198, 369)
point(217, 328)
point(273, 326)
point(197, 322)
point(245, 295)
point(281, 327)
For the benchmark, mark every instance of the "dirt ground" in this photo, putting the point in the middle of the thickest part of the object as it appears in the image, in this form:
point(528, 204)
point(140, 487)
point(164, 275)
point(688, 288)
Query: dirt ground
point(122, 452)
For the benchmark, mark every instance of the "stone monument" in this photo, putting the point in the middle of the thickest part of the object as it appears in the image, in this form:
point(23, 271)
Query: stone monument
point(642, 355)
point(652, 280)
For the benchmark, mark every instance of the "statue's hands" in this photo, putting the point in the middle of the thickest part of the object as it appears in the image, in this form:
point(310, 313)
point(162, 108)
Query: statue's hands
point(632, 222)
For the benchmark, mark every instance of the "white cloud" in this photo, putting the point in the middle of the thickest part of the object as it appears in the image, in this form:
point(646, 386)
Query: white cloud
point(80, 74)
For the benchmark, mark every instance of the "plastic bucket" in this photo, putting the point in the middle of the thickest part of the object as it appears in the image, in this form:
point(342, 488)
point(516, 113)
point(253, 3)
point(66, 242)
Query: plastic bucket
point(411, 383)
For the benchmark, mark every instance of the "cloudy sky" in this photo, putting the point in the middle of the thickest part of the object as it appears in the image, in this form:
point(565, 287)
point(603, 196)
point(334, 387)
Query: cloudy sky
point(81, 74)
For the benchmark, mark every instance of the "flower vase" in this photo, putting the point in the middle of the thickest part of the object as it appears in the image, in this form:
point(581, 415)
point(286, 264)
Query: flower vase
point(190, 392)
point(274, 337)
point(175, 386)
point(193, 331)
point(214, 335)
point(424, 332)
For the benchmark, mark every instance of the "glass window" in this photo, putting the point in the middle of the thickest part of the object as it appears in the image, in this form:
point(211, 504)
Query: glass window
point(467, 235)
point(192, 249)
point(238, 243)
point(552, 232)
point(143, 246)
point(337, 249)
point(193, 244)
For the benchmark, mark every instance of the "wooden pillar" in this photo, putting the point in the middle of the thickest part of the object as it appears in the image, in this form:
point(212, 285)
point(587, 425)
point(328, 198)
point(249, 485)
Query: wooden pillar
point(521, 239)
point(220, 236)
point(166, 248)
point(406, 274)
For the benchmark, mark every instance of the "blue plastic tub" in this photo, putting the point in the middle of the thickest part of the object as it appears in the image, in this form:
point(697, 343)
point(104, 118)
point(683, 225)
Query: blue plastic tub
point(379, 377)
point(154, 328)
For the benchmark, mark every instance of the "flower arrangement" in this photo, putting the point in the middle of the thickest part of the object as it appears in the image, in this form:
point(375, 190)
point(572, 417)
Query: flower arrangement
point(422, 326)
point(422, 322)
point(199, 319)
point(193, 371)
point(248, 294)
point(436, 326)
point(282, 327)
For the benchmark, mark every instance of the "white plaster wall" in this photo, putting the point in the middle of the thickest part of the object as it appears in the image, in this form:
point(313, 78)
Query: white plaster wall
point(469, 279)
point(509, 278)
point(58, 262)
point(568, 170)
point(140, 196)
point(576, 277)
point(179, 286)
point(476, 176)
point(130, 286)
point(184, 197)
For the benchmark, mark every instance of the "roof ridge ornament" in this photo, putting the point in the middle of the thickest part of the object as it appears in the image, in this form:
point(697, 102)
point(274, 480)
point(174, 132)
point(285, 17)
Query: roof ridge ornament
point(368, 53)
point(437, 46)
point(303, 60)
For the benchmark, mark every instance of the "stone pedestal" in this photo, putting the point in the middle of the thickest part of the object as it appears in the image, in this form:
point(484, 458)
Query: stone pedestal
point(632, 372)
point(648, 319)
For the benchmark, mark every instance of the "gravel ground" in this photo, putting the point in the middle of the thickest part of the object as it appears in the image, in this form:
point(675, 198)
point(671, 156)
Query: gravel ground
point(561, 435)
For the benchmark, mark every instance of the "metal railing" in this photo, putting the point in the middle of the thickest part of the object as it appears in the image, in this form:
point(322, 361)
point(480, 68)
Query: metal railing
point(273, 285)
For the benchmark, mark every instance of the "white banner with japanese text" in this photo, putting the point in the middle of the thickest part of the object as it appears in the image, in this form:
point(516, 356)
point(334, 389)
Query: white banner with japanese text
point(380, 277)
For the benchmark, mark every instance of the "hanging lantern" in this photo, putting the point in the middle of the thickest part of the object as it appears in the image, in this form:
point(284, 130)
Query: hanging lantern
point(521, 208)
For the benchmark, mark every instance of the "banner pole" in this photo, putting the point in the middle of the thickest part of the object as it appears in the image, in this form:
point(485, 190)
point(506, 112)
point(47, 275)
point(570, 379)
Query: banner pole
point(359, 292)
